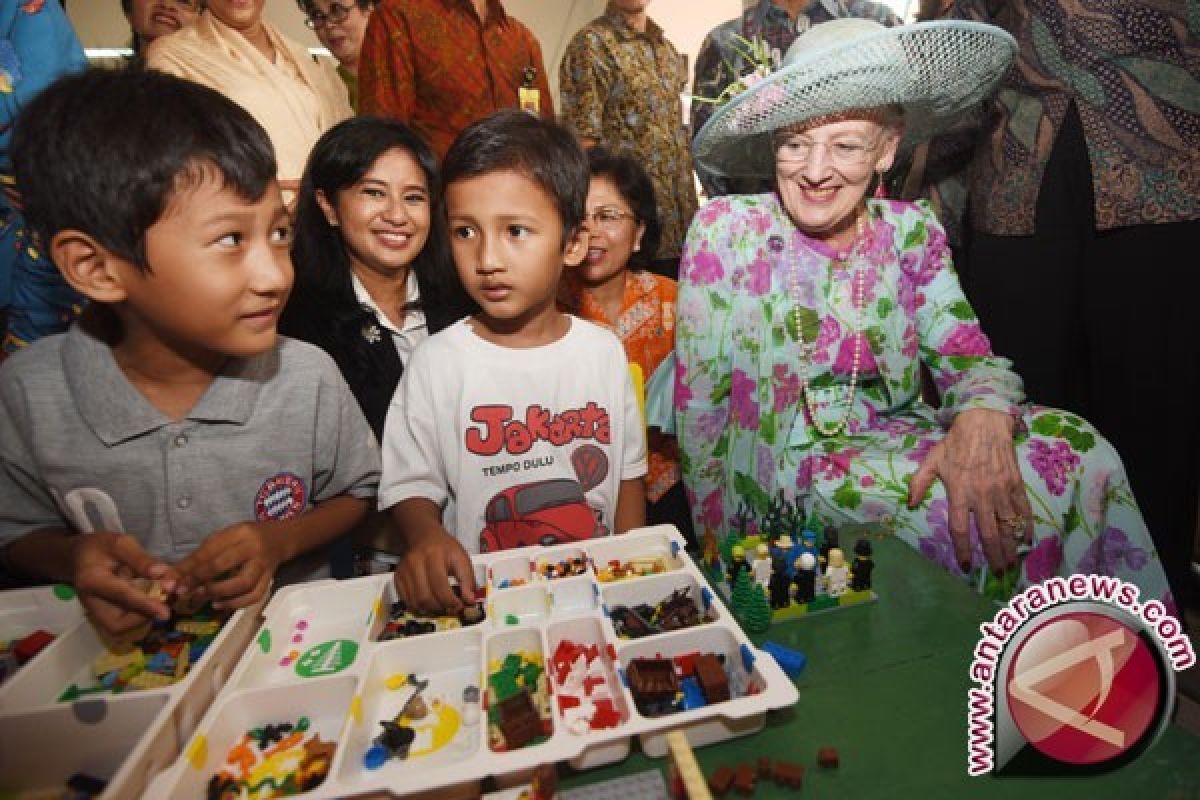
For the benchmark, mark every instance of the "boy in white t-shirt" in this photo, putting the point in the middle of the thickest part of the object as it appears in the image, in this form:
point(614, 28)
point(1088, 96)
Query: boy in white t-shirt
point(518, 425)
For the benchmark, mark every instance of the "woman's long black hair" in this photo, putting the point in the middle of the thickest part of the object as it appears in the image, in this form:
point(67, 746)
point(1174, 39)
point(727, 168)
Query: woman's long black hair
point(339, 159)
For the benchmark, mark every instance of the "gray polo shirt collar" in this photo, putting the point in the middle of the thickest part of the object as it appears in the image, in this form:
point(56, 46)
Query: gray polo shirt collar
point(116, 411)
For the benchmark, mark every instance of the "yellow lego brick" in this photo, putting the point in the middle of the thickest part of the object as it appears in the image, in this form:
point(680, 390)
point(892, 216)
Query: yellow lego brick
point(199, 627)
point(150, 680)
point(109, 661)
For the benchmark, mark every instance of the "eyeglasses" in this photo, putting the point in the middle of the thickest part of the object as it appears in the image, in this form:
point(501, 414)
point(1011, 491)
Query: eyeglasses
point(844, 153)
point(608, 217)
point(337, 14)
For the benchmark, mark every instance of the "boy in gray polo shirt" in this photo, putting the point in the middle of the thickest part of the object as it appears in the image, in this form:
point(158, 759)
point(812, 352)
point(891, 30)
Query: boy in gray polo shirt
point(171, 425)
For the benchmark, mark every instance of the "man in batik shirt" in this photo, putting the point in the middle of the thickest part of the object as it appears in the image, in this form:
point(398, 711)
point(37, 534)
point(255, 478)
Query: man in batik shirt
point(722, 60)
point(621, 83)
point(440, 65)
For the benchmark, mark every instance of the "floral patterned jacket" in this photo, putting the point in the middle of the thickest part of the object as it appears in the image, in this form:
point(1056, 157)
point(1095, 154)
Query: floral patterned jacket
point(737, 380)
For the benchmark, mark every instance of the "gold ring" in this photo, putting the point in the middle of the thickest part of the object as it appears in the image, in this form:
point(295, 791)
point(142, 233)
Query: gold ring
point(1014, 524)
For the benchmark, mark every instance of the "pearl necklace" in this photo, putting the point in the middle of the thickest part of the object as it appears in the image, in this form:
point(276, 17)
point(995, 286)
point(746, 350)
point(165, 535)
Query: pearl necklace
point(808, 349)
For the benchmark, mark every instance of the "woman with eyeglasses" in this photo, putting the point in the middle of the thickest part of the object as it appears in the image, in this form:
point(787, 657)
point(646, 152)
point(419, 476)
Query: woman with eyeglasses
point(232, 49)
point(341, 26)
point(613, 287)
point(806, 316)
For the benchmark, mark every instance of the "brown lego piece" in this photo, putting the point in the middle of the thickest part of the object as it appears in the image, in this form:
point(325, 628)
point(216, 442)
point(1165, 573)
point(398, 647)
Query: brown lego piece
point(744, 780)
point(788, 775)
point(652, 682)
point(764, 767)
point(828, 757)
point(720, 781)
point(519, 721)
point(711, 677)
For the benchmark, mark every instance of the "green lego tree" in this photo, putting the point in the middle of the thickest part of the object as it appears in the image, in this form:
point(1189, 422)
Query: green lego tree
point(742, 595)
point(756, 617)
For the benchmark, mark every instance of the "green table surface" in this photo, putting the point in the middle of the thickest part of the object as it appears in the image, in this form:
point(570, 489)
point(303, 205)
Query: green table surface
point(886, 684)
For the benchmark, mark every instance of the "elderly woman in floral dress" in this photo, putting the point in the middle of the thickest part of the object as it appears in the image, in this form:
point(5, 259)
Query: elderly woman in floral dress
point(805, 316)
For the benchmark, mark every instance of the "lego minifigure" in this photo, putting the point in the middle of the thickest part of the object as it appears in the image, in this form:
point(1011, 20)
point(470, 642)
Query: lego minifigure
point(738, 564)
point(778, 586)
point(828, 542)
point(860, 574)
point(837, 574)
point(804, 578)
point(808, 544)
point(782, 548)
point(761, 567)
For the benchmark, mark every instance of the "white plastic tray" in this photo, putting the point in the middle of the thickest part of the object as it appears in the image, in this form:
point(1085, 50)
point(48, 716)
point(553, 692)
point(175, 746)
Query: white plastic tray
point(316, 656)
point(124, 738)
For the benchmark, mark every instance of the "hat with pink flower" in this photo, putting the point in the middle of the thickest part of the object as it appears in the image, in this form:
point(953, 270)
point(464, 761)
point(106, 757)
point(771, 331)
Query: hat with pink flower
point(932, 72)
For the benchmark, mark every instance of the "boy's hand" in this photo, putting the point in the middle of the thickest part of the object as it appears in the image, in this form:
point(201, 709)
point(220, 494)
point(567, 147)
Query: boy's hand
point(432, 555)
point(106, 565)
point(234, 566)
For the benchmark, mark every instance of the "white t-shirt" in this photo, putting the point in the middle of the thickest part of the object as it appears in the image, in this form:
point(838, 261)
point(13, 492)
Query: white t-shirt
point(518, 446)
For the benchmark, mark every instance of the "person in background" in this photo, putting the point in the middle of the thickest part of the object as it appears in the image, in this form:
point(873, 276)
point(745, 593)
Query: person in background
point(232, 49)
point(722, 60)
point(439, 65)
point(38, 47)
point(150, 19)
point(613, 288)
point(805, 316)
point(937, 170)
point(621, 82)
point(1085, 224)
point(518, 425)
point(170, 434)
point(373, 271)
point(340, 26)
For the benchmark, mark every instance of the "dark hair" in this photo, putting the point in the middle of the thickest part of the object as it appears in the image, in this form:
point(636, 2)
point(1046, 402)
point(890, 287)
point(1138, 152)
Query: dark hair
point(539, 149)
point(636, 188)
point(338, 160)
point(104, 151)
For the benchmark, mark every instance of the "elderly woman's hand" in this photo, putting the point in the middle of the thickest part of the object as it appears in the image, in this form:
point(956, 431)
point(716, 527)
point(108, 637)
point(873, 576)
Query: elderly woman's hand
point(978, 466)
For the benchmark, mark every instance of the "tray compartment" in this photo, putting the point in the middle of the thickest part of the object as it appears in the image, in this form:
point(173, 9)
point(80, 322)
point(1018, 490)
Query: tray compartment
point(391, 608)
point(620, 558)
point(703, 719)
point(589, 679)
point(312, 631)
point(40, 750)
point(659, 604)
point(518, 691)
point(529, 605)
point(449, 733)
point(573, 596)
point(323, 705)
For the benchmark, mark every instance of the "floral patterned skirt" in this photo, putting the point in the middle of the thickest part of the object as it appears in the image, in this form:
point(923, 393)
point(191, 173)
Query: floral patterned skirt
point(1086, 518)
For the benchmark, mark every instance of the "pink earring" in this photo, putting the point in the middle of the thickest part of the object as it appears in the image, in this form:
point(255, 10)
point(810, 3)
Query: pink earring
point(880, 187)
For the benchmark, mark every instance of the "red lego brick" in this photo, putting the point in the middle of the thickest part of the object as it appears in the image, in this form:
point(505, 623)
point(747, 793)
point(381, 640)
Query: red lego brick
point(788, 775)
point(31, 645)
point(721, 781)
point(828, 757)
point(744, 780)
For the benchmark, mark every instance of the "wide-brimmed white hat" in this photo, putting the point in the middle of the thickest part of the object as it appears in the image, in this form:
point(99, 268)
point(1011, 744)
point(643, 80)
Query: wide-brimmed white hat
point(934, 71)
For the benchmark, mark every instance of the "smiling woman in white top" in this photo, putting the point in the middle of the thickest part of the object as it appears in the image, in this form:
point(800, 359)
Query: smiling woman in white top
point(373, 275)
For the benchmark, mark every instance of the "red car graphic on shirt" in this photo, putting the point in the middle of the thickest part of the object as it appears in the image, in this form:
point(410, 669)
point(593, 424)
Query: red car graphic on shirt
point(547, 512)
